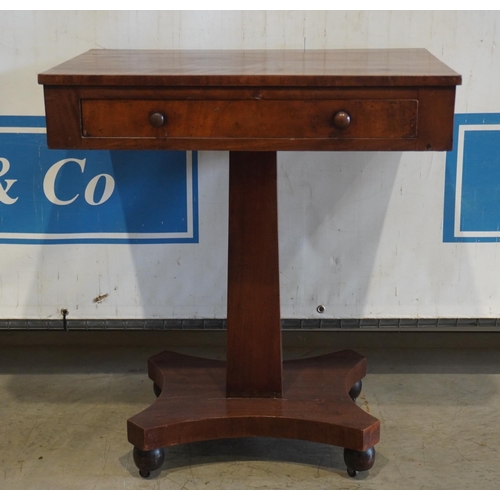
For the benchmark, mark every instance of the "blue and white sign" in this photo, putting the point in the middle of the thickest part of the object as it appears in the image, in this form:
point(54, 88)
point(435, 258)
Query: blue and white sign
point(54, 196)
point(472, 189)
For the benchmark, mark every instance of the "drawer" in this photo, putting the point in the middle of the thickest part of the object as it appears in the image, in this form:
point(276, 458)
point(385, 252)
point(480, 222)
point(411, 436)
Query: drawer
point(251, 118)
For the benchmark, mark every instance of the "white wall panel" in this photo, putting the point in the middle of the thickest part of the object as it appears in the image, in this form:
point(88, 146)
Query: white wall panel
point(360, 233)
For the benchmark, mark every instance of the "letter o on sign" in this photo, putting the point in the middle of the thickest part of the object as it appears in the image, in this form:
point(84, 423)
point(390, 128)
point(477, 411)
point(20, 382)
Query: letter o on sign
point(109, 187)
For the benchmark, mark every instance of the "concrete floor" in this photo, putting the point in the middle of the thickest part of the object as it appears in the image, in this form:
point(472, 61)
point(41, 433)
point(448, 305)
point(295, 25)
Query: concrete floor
point(64, 408)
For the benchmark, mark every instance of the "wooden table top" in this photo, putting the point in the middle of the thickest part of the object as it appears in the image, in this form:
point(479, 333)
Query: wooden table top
point(311, 68)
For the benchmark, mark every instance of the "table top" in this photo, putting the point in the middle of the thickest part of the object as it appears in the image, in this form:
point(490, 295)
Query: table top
point(272, 100)
point(279, 68)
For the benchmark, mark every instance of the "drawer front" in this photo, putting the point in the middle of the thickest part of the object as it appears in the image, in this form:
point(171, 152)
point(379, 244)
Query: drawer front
point(245, 119)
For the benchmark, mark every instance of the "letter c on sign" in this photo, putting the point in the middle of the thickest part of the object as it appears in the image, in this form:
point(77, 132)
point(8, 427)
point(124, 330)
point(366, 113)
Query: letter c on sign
point(50, 180)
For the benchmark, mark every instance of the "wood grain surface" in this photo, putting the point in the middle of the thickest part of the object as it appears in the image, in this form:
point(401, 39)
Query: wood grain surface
point(350, 67)
point(397, 100)
point(253, 290)
point(315, 406)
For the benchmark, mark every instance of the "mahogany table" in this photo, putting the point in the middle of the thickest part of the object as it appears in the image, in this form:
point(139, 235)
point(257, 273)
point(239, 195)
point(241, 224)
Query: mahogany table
point(253, 104)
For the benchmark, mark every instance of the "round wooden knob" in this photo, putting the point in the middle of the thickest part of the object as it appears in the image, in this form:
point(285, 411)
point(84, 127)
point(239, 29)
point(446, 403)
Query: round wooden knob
point(341, 119)
point(156, 119)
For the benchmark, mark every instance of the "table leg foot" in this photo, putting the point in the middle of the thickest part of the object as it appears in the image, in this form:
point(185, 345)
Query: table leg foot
point(157, 390)
point(148, 461)
point(356, 390)
point(357, 461)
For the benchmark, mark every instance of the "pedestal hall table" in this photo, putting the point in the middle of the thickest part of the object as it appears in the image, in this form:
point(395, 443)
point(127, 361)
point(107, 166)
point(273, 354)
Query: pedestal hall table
point(253, 104)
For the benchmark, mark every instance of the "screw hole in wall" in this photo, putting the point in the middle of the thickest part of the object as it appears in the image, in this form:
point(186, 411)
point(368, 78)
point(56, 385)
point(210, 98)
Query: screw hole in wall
point(65, 313)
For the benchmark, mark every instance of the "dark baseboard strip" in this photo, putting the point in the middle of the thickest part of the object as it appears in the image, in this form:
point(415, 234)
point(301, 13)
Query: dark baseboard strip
point(390, 324)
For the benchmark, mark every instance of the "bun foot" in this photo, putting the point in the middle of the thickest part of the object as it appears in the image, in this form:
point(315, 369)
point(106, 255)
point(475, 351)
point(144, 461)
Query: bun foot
point(157, 390)
point(148, 461)
point(356, 390)
point(357, 461)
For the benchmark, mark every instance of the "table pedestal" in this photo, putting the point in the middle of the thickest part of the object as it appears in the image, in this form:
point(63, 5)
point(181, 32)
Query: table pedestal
point(253, 393)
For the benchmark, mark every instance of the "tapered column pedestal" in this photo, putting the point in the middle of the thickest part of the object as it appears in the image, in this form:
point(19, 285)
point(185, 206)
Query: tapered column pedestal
point(253, 393)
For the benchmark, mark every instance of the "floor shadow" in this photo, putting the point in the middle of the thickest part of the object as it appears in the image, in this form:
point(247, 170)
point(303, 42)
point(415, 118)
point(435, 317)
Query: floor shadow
point(316, 455)
point(112, 375)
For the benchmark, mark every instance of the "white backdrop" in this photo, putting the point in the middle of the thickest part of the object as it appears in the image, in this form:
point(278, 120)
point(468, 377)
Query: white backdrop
point(360, 233)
